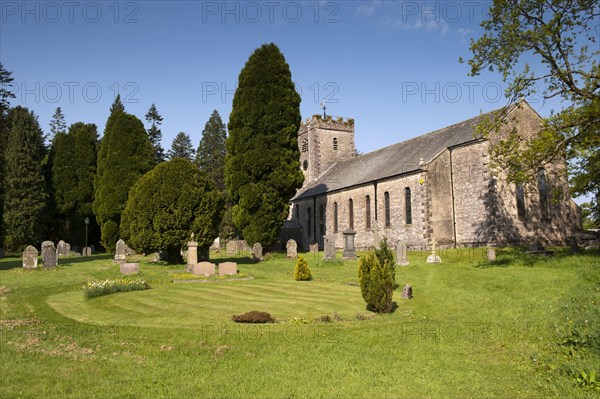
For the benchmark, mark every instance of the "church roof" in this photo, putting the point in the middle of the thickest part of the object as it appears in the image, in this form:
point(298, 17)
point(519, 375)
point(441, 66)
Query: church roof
point(394, 160)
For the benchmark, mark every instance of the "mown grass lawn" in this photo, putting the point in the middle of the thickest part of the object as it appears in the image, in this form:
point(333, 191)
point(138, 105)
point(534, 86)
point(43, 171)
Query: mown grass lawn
point(521, 327)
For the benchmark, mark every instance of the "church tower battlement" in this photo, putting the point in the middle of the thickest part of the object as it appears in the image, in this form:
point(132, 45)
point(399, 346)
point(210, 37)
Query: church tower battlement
point(324, 141)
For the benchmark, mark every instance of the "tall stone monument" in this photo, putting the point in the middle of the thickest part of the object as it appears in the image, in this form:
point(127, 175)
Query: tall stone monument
point(330, 251)
point(433, 258)
point(192, 254)
point(401, 257)
point(49, 255)
point(349, 244)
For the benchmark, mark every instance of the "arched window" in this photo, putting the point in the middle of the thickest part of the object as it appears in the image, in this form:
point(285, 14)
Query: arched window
point(335, 143)
point(408, 203)
point(351, 214)
point(335, 217)
point(367, 212)
point(386, 202)
point(305, 145)
point(543, 191)
point(309, 221)
point(520, 196)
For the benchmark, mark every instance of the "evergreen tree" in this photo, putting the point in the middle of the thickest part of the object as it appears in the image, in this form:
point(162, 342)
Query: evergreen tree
point(73, 165)
point(375, 275)
point(125, 155)
point(155, 134)
point(24, 181)
point(5, 94)
point(262, 170)
point(167, 205)
point(181, 147)
point(210, 156)
point(57, 124)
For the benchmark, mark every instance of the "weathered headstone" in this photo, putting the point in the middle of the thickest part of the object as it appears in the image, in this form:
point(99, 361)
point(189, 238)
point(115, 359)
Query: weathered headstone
point(231, 247)
point(349, 244)
point(192, 254)
point(129, 268)
point(329, 248)
point(314, 248)
point(49, 255)
point(433, 258)
point(292, 249)
point(257, 253)
point(407, 292)
point(30, 257)
point(93, 247)
point(62, 248)
point(204, 269)
point(87, 251)
point(120, 255)
point(159, 256)
point(216, 245)
point(401, 258)
point(129, 251)
point(227, 268)
point(491, 254)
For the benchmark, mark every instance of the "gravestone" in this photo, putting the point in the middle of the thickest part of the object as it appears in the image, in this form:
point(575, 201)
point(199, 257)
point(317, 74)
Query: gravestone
point(292, 249)
point(349, 244)
point(401, 258)
point(204, 269)
point(120, 255)
point(192, 254)
point(231, 247)
point(227, 268)
point(407, 292)
point(433, 258)
point(49, 255)
point(314, 248)
point(491, 254)
point(159, 256)
point(30, 257)
point(129, 251)
point(257, 253)
point(87, 251)
point(62, 249)
point(129, 268)
point(93, 247)
point(329, 248)
point(216, 245)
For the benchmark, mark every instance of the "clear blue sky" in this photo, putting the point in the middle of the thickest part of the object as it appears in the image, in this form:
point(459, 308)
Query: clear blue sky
point(391, 65)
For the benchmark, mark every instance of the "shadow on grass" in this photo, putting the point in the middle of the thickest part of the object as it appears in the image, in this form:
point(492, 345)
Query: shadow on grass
point(12, 263)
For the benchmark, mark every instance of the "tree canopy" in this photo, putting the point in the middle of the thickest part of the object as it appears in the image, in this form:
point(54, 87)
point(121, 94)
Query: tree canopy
point(262, 169)
point(155, 134)
point(181, 147)
point(210, 156)
point(559, 36)
point(167, 205)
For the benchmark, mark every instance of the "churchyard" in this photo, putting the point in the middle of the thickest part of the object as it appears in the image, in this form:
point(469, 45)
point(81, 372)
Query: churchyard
point(521, 326)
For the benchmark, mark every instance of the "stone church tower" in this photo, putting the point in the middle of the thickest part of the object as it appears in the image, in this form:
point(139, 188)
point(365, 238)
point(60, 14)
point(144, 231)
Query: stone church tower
point(323, 142)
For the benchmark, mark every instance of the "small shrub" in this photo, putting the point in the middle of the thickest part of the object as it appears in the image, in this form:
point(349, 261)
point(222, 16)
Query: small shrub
point(376, 281)
point(253, 317)
point(302, 272)
point(95, 288)
point(325, 318)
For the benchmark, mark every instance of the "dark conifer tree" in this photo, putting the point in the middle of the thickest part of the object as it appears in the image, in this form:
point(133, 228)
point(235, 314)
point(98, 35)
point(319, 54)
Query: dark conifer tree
point(5, 94)
point(57, 124)
point(182, 147)
point(155, 134)
point(210, 156)
point(263, 168)
point(24, 181)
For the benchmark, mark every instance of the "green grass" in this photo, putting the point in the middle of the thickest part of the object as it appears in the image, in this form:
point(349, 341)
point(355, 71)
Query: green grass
point(520, 327)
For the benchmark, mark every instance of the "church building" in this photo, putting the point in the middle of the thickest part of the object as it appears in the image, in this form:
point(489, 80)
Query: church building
point(439, 185)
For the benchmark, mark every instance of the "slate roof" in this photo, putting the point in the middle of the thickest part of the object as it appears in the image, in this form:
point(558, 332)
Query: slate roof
point(397, 159)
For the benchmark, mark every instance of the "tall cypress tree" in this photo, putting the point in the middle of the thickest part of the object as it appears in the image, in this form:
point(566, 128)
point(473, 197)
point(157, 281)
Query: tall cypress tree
point(57, 124)
point(155, 134)
point(181, 147)
point(25, 184)
point(210, 156)
point(125, 154)
point(5, 94)
point(263, 168)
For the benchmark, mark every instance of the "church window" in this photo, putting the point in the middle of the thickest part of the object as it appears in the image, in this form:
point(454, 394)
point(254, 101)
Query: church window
point(305, 164)
point(305, 145)
point(321, 220)
point(335, 144)
point(309, 221)
point(368, 212)
point(543, 191)
point(335, 217)
point(351, 214)
point(386, 202)
point(408, 203)
point(521, 208)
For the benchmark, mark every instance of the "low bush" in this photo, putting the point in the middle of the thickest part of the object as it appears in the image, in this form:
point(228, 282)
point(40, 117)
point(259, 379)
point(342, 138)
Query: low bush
point(95, 288)
point(253, 317)
point(302, 272)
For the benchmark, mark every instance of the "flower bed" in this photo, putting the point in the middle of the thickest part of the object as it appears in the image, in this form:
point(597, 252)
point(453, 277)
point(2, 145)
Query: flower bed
point(95, 288)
